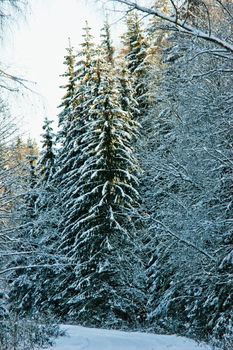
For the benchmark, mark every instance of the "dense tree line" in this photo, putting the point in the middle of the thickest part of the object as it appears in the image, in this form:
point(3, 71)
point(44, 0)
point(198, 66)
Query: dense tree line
point(126, 218)
point(86, 202)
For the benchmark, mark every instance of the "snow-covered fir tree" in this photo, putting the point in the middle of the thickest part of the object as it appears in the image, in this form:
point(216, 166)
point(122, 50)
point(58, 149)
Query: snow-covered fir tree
point(99, 236)
point(126, 90)
point(29, 288)
point(71, 157)
point(71, 154)
point(106, 43)
point(44, 230)
point(45, 167)
point(67, 104)
point(75, 115)
point(135, 48)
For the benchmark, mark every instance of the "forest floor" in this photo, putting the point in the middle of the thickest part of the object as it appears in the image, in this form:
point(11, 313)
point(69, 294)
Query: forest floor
point(81, 338)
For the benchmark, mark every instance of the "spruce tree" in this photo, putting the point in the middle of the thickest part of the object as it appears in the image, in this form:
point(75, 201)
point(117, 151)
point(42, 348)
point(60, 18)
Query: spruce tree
point(98, 236)
point(135, 45)
point(75, 115)
point(45, 230)
point(67, 104)
point(106, 43)
point(126, 90)
point(46, 162)
point(37, 231)
point(70, 159)
point(71, 154)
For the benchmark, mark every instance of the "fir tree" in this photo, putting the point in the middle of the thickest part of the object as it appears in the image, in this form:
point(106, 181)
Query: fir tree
point(136, 46)
point(46, 163)
point(71, 155)
point(67, 100)
point(106, 43)
point(45, 230)
point(98, 237)
point(75, 116)
point(31, 180)
point(31, 289)
point(71, 158)
point(128, 102)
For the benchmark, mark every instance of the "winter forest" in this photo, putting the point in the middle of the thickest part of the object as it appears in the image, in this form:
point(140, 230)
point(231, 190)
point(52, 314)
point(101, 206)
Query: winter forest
point(123, 218)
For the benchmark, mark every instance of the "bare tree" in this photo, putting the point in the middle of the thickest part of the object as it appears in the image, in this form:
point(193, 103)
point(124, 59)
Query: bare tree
point(10, 11)
point(187, 158)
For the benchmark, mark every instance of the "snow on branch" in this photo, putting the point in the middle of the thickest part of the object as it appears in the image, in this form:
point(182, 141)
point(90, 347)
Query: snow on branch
point(182, 240)
point(181, 25)
point(45, 266)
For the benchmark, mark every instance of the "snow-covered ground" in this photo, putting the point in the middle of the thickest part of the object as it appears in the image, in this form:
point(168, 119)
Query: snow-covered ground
point(80, 338)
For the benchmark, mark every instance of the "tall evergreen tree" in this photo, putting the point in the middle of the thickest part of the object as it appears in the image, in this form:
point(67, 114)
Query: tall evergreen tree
point(67, 104)
point(99, 237)
point(30, 181)
point(71, 155)
point(45, 230)
point(31, 286)
point(71, 158)
point(127, 99)
point(45, 167)
point(136, 45)
point(81, 79)
point(106, 43)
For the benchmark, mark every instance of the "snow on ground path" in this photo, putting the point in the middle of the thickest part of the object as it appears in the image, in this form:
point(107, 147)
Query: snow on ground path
point(81, 338)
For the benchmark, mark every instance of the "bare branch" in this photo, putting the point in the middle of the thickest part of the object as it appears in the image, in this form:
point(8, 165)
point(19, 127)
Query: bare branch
point(183, 240)
point(224, 8)
point(179, 24)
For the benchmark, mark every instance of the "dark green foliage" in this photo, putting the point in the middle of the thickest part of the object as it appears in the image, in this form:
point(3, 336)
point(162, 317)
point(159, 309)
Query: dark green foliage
point(99, 202)
point(45, 168)
point(136, 46)
point(36, 233)
point(106, 43)
point(67, 104)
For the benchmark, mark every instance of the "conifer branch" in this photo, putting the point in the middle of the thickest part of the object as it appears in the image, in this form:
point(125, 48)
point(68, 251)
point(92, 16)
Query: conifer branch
point(36, 266)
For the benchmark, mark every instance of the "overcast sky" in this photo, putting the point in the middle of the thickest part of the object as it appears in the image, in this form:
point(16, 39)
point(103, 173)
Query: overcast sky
point(35, 50)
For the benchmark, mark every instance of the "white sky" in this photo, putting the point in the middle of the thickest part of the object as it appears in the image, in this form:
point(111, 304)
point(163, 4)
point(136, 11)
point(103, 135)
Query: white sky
point(35, 50)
